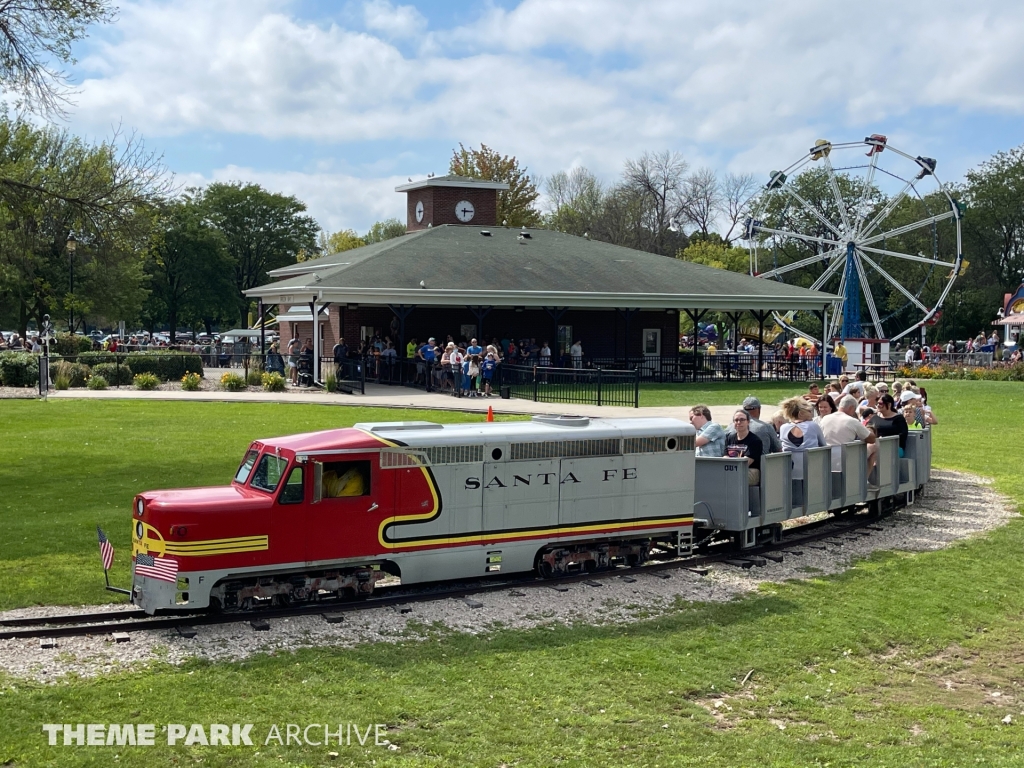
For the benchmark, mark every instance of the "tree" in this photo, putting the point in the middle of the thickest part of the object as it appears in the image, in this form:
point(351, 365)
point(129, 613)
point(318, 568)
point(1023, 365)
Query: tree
point(190, 275)
point(994, 223)
point(384, 230)
point(575, 201)
point(336, 242)
point(516, 206)
point(657, 182)
point(262, 231)
point(714, 252)
point(34, 33)
point(52, 184)
point(701, 200)
point(736, 191)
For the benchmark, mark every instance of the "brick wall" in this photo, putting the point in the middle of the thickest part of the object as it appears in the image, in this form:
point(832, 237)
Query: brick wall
point(439, 206)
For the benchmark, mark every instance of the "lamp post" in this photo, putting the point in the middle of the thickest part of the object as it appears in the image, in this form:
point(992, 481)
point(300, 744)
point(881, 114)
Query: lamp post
point(71, 244)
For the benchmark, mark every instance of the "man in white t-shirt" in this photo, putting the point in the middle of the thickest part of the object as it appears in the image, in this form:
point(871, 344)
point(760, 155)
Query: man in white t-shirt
point(843, 427)
point(576, 351)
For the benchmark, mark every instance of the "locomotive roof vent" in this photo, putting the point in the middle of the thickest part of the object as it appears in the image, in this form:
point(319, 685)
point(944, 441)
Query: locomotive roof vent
point(398, 426)
point(563, 421)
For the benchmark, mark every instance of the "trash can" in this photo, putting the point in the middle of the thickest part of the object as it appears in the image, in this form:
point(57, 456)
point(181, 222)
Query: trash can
point(506, 393)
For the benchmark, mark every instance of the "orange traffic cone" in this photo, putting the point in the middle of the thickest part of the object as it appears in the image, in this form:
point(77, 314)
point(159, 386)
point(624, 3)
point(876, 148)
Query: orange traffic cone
point(490, 413)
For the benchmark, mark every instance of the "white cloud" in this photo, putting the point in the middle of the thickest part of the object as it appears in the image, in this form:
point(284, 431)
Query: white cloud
point(335, 200)
point(556, 82)
point(393, 21)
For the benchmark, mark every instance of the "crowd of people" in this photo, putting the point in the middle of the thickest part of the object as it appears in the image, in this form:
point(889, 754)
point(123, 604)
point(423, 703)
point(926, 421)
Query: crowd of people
point(842, 411)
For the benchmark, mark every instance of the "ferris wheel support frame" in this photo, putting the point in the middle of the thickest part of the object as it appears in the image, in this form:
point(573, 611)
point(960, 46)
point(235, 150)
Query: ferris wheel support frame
point(859, 231)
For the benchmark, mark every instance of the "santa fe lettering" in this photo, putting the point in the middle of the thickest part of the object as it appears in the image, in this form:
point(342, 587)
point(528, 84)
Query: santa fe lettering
point(544, 478)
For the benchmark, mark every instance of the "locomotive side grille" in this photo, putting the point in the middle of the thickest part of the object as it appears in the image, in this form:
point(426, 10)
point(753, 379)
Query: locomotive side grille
point(424, 457)
point(397, 459)
point(455, 454)
point(644, 445)
point(566, 449)
point(657, 444)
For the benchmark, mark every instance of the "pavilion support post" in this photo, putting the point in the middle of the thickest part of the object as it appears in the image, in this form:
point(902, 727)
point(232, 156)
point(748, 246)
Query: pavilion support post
point(263, 329)
point(734, 318)
point(314, 312)
point(401, 312)
point(480, 313)
point(695, 316)
point(556, 313)
point(760, 314)
point(627, 316)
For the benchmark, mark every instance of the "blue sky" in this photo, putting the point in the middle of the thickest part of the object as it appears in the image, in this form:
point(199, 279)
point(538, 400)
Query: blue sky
point(337, 102)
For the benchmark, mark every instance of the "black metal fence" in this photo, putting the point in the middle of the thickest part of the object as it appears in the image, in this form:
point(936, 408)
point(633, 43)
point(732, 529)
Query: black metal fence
point(720, 366)
point(577, 386)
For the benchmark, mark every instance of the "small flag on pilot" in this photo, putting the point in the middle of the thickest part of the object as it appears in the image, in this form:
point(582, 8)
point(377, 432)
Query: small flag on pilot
point(162, 568)
point(106, 549)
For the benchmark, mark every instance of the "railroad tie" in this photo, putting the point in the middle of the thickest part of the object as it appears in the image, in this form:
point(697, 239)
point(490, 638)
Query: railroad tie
point(260, 625)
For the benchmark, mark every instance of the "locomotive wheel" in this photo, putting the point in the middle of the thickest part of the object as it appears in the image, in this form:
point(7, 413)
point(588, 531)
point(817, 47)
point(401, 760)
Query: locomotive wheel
point(545, 569)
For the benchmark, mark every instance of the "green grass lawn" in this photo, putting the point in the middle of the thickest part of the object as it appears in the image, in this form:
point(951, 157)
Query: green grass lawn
point(891, 664)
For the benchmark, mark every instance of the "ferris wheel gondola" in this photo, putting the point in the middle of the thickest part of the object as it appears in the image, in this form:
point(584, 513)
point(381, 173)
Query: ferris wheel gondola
point(871, 230)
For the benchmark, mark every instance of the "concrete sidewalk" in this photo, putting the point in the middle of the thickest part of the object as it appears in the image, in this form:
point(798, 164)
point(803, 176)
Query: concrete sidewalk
point(379, 396)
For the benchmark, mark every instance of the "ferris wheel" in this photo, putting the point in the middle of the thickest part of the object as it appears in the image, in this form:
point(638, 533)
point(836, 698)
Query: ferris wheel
point(866, 221)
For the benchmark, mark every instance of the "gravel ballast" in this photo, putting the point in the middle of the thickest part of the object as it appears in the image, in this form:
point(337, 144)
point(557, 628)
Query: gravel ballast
point(956, 506)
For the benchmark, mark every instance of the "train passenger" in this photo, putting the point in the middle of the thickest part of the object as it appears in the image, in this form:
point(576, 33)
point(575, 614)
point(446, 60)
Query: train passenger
point(800, 433)
point(742, 443)
point(813, 393)
point(823, 408)
point(769, 440)
point(888, 421)
point(710, 440)
point(915, 411)
point(777, 420)
point(843, 427)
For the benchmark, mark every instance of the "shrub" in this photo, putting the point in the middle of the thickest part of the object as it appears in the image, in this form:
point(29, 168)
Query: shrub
point(190, 382)
point(77, 374)
point(118, 375)
point(97, 382)
point(254, 379)
point(166, 366)
point(69, 345)
point(61, 381)
point(1013, 372)
point(19, 369)
point(273, 382)
point(331, 382)
point(232, 382)
point(99, 358)
point(146, 381)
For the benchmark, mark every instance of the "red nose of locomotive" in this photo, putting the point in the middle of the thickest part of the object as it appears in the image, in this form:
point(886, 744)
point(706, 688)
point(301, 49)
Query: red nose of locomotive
point(182, 538)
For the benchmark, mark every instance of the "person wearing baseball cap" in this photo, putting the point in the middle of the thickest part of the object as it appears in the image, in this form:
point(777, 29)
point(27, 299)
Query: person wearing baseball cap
point(764, 430)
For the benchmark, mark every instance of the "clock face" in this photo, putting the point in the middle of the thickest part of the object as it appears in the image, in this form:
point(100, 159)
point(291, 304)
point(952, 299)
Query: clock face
point(419, 210)
point(464, 211)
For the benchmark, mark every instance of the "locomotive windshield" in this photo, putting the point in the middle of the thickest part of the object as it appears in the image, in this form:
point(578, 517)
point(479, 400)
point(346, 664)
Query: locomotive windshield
point(268, 472)
point(243, 471)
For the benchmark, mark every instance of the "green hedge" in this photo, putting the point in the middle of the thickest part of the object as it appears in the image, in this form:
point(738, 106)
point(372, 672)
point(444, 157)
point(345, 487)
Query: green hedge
point(68, 345)
point(99, 358)
point(166, 366)
point(19, 369)
point(116, 375)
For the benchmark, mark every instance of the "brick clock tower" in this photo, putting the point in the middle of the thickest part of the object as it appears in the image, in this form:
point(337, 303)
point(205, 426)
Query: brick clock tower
point(451, 200)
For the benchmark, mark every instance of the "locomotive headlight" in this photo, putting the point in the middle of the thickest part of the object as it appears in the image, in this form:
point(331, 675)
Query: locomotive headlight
point(138, 531)
point(139, 506)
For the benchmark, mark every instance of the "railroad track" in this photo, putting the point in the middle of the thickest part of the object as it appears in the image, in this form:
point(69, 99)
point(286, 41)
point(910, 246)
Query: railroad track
point(119, 623)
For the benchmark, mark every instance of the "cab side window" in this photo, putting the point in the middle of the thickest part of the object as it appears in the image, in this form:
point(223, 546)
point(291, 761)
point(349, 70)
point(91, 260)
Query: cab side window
point(293, 490)
point(343, 479)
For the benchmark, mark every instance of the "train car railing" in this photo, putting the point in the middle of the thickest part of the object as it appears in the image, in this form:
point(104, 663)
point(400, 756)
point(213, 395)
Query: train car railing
point(775, 497)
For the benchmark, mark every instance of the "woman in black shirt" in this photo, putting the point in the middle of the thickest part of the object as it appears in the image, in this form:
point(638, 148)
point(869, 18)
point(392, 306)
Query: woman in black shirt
point(888, 422)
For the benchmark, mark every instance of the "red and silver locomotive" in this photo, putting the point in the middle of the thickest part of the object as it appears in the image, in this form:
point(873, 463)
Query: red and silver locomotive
point(336, 511)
